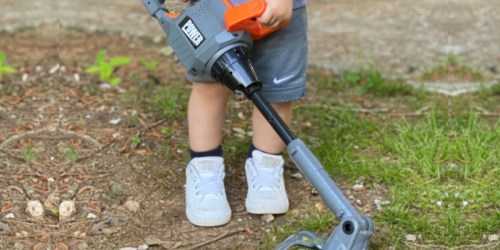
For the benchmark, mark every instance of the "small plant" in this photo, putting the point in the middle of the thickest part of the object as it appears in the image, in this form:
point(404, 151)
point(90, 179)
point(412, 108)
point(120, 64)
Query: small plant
point(28, 154)
point(106, 69)
point(72, 154)
point(150, 65)
point(135, 141)
point(4, 68)
point(116, 191)
point(166, 131)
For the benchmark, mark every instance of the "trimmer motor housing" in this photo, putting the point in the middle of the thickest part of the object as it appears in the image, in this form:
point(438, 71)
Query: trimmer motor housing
point(203, 44)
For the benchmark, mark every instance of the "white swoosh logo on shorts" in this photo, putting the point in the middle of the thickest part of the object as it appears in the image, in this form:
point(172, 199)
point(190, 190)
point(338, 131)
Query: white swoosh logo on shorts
point(281, 80)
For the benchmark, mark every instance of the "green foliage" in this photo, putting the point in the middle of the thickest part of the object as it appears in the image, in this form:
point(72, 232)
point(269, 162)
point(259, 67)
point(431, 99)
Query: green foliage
point(72, 154)
point(150, 65)
point(105, 68)
point(116, 191)
point(28, 154)
point(4, 68)
point(496, 89)
point(135, 140)
point(166, 131)
point(371, 81)
point(168, 100)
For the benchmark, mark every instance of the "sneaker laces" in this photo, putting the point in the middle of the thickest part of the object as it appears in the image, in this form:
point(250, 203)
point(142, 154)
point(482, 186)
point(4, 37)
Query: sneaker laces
point(267, 177)
point(208, 185)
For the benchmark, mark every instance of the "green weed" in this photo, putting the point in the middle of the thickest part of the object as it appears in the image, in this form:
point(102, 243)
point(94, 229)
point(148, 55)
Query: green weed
point(166, 131)
point(116, 191)
point(149, 64)
point(72, 154)
point(106, 69)
point(28, 154)
point(4, 68)
point(134, 141)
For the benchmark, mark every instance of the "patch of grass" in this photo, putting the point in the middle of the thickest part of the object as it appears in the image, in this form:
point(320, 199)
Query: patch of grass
point(170, 101)
point(496, 89)
point(449, 170)
point(365, 81)
point(441, 170)
point(318, 221)
point(371, 81)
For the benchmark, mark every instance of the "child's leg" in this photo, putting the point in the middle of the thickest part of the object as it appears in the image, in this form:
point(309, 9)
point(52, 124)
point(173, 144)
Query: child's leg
point(265, 138)
point(206, 114)
point(206, 201)
point(264, 167)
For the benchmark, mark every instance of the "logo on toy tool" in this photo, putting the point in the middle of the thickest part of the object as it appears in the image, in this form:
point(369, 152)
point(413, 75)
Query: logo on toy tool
point(192, 32)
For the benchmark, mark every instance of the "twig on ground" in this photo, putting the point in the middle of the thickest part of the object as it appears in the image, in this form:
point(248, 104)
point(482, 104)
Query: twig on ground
point(419, 112)
point(145, 129)
point(49, 130)
point(93, 154)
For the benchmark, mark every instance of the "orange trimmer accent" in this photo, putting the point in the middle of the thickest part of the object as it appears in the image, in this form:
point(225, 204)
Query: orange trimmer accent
point(172, 14)
point(244, 17)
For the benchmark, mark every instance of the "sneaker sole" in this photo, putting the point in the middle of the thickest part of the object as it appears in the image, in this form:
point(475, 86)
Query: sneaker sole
point(208, 220)
point(259, 207)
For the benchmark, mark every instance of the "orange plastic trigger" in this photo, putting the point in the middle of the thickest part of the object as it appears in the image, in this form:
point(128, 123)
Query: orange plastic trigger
point(244, 17)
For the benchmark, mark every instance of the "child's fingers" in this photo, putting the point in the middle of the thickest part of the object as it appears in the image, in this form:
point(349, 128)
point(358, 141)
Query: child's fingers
point(276, 14)
point(269, 20)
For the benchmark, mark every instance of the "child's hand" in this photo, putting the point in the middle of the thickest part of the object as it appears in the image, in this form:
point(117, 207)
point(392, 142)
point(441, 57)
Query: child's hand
point(277, 13)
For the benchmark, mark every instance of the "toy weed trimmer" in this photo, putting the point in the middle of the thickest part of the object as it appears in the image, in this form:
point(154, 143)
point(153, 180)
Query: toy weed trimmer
point(215, 38)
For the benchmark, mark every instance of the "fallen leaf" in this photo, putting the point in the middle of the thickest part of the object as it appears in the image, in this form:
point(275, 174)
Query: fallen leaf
point(95, 207)
point(6, 207)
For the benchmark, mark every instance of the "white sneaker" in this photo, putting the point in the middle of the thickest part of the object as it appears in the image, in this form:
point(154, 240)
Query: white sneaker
point(206, 202)
point(266, 187)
